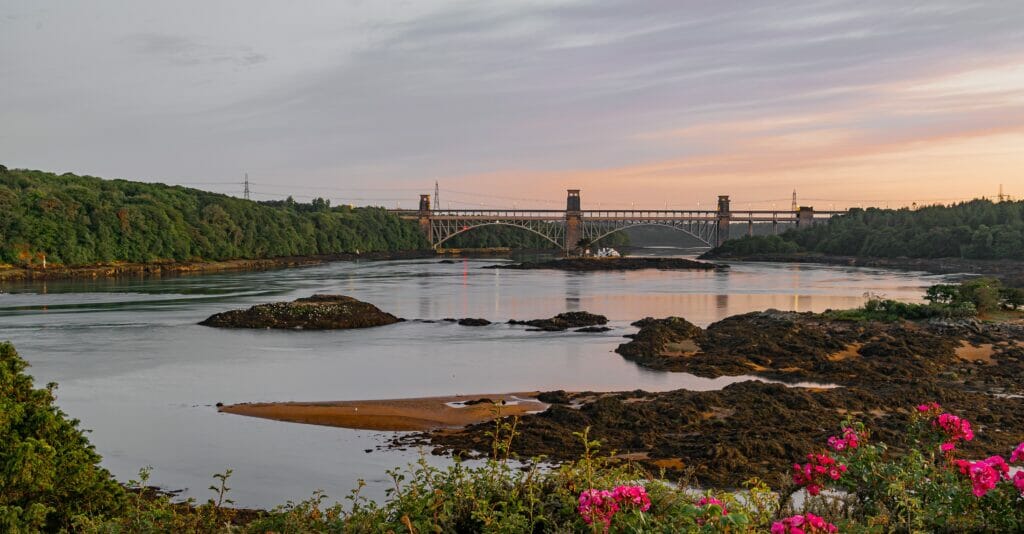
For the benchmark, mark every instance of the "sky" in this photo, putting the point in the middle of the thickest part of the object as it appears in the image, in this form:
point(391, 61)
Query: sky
point(650, 104)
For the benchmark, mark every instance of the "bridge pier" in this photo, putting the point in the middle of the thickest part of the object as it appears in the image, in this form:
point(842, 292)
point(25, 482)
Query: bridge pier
point(724, 220)
point(424, 219)
point(804, 217)
point(573, 222)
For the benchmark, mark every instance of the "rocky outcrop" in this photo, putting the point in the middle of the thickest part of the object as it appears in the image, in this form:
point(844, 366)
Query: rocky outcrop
point(471, 321)
point(319, 312)
point(565, 321)
point(799, 346)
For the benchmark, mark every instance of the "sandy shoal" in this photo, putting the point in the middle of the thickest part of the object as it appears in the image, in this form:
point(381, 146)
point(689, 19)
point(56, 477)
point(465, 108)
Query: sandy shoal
point(412, 414)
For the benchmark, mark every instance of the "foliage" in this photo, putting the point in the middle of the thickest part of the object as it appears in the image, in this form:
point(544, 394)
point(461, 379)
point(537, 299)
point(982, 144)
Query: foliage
point(947, 301)
point(748, 245)
point(925, 488)
point(978, 229)
point(77, 220)
point(983, 294)
point(49, 475)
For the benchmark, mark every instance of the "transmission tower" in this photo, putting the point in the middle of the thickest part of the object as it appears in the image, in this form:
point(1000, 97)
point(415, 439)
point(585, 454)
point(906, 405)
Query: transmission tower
point(794, 207)
point(1002, 197)
point(245, 192)
point(437, 196)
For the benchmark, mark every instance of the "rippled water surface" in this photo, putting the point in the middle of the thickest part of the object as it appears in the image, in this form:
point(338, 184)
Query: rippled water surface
point(138, 371)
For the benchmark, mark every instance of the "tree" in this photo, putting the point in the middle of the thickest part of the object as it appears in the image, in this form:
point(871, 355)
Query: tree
point(942, 293)
point(982, 292)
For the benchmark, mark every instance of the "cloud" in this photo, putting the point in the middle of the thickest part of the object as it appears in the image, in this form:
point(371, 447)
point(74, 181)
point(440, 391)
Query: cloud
point(683, 97)
point(183, 51)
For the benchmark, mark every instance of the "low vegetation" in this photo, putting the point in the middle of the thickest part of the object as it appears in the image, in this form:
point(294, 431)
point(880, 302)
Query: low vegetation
point(49, 472)
point(980, 296)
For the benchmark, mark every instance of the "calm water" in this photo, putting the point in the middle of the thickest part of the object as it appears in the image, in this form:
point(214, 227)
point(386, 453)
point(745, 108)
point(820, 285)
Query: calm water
point(135, 368)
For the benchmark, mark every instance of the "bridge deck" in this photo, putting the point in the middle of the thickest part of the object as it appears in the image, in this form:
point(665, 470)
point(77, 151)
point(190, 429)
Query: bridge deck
point(617, 215)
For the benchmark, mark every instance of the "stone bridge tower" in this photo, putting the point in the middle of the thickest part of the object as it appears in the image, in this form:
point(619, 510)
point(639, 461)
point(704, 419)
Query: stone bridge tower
point(724, 219)
point(424, 218)
point(573, 221)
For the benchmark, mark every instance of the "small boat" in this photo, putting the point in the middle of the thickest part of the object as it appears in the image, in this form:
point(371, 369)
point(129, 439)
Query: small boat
point(607, 252)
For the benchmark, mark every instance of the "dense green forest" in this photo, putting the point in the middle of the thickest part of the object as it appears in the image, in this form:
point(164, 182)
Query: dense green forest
point(75, 220)
point(979, 229)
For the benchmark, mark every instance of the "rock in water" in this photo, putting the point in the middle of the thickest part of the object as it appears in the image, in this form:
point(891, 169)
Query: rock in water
point(593, 329)
point(470, 321)
point(319, 312)
point(565, 321)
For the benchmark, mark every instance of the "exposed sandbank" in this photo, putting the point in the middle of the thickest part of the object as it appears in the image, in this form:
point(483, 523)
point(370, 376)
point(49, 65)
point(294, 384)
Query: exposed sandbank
point(415, 414)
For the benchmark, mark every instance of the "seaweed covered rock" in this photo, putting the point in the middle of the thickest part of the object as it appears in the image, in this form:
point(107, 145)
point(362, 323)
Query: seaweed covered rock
point(804, 346)
point(722, 438)
point(319, 312)
point(593, 329)
point(565, 321)
point(472, 321)
point(662, 339)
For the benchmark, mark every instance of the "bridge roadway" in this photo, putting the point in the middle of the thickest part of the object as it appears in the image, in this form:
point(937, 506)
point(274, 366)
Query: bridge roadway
point(574, 228)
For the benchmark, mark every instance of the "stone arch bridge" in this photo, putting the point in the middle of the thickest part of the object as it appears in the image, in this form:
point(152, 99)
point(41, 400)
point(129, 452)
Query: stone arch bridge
point(572, 227)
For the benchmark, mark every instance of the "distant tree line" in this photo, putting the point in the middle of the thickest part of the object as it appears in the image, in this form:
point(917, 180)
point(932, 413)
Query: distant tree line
point(978, 229)
point(76, 220)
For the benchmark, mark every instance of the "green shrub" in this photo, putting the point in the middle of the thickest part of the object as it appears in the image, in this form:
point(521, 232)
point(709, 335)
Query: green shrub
point(49, 473)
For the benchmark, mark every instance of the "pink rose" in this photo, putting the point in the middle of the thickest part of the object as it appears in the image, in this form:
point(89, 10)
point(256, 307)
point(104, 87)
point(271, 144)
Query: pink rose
point(1018, 453)
point(983, 478)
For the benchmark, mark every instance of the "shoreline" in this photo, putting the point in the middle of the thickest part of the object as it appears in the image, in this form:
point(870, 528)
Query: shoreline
point(1009, 270)
point(173, 268)
point(400, 415)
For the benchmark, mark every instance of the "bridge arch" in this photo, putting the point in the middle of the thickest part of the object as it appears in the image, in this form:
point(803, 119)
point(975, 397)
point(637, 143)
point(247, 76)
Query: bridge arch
point(707, 240)
point(467, 228)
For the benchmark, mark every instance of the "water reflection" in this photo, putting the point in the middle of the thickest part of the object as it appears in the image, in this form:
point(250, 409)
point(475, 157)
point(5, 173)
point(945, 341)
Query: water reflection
point(137, 370)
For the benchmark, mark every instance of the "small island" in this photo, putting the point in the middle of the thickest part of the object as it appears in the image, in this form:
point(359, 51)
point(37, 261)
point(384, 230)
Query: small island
point(319, 312)
point(567, 320)
point(615, 264)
